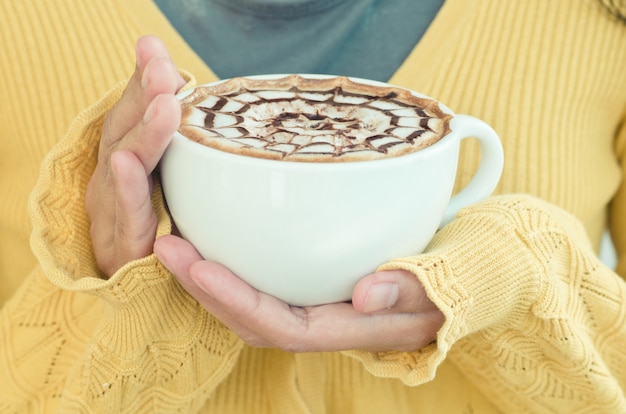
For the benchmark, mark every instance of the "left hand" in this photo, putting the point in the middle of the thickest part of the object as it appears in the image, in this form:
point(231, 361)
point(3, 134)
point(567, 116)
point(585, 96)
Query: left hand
point(136, 132)
point(389, 311)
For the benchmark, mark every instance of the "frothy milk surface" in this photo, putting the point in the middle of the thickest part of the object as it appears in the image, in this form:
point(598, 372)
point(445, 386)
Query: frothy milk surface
point(295, 118)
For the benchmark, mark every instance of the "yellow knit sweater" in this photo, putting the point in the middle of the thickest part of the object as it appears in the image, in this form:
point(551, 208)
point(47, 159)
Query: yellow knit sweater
point(534, 322)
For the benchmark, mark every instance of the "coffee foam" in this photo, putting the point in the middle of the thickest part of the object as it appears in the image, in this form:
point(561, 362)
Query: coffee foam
point(294, 118)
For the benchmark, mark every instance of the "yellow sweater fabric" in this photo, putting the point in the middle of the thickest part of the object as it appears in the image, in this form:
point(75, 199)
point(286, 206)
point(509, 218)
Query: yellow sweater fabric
point(534, 322)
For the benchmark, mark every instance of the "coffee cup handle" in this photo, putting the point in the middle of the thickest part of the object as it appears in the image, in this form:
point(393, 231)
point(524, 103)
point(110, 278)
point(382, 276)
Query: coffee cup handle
point(489, 170)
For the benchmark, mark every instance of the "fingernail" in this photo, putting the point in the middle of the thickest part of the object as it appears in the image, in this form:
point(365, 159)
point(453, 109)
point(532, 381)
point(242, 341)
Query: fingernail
point(150, 112)
point(381, 296)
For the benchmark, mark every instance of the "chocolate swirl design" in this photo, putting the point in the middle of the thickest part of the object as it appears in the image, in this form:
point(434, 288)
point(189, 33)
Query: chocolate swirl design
point(294, 118)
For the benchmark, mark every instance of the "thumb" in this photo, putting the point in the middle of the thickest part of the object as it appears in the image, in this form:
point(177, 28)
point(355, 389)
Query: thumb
point(391, 291)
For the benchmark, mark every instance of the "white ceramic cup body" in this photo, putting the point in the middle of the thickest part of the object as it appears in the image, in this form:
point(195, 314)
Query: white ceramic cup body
point(307, 232)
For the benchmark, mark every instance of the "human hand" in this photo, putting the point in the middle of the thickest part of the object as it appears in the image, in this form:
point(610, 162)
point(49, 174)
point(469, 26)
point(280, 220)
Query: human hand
point(389, 310)
point(135, 134)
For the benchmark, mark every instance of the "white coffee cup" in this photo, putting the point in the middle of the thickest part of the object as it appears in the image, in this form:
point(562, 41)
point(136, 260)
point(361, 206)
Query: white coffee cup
point(307, 232)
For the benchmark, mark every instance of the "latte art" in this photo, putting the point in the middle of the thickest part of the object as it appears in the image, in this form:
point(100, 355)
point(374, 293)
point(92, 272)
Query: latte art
point(317, 120)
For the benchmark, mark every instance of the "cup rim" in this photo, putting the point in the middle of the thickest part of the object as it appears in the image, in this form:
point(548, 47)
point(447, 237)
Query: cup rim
point(438, 146)
point(444, 108)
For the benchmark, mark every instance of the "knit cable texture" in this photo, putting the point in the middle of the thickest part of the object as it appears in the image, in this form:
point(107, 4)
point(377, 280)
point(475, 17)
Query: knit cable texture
point(153, 349)
point(534, 317)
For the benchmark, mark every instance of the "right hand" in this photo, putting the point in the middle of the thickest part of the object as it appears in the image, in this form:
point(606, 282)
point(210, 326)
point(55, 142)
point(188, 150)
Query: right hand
point(390, 310)
point(135, 134)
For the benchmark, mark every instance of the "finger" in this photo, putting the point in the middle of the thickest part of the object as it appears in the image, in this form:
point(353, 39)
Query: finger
point(178, 256)
point(135, 220)
point(269, 322)
point(147, 48)
point(232, 301)
point(154, 74)
point(391, 291)
point(149, 139)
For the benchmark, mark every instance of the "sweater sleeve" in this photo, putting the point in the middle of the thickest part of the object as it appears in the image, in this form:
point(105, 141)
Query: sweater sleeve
point(532, 316)
point(74, 342)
